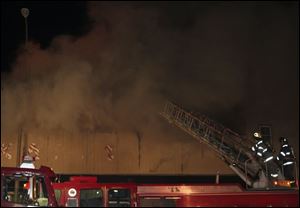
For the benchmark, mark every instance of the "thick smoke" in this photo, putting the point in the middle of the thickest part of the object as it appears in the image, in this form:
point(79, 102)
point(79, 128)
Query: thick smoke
point(117, 76)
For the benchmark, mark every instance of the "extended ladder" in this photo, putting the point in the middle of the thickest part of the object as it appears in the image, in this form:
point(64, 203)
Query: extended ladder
point(232, 148)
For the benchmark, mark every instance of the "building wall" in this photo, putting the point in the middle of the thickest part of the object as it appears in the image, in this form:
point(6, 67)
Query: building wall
point(85, 154)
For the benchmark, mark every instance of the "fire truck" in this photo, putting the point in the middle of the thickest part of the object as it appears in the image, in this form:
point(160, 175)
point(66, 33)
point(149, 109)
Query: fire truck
point(33, 188)
point(27, 187)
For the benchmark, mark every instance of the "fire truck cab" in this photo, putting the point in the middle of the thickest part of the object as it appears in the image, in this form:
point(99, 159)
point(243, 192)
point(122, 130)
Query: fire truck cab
point(27, 187)
point(85, 191)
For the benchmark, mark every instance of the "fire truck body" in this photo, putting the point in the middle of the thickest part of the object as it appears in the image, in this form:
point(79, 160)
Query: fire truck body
point(75, 193)
point(27, 187)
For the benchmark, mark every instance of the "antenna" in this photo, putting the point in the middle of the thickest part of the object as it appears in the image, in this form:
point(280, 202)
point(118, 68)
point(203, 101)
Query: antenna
point(25, 14)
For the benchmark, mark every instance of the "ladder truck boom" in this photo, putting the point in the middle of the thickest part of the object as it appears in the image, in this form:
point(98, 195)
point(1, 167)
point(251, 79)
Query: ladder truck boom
point(229, 146)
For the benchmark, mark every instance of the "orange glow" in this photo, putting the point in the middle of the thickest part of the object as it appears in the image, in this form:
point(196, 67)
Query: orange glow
point(285, 183)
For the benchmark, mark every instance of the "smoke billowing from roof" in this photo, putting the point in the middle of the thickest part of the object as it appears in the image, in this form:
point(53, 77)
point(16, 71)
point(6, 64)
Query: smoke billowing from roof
point(117, 76)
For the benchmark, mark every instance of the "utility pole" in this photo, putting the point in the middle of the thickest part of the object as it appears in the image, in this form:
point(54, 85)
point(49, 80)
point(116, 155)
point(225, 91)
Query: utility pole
point(25, 13)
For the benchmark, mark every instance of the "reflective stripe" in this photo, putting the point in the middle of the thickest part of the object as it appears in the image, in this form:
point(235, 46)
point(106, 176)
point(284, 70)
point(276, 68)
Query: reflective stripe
point(260, 147)
point(277, 158)
point(253, 149)
point(265, 150)
point(285, 145)
point(274, 175)
point(282, 153)
point(287, 153)
point(259, 142)
point(268, 159)
point(259, 154)
point(288, 163)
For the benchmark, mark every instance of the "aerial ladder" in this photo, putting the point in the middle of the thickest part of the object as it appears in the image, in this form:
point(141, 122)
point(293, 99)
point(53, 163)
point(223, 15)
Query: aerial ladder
point(232, 148)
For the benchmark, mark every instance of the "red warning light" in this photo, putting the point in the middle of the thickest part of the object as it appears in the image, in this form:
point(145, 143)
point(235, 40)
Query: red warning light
point(26, 185)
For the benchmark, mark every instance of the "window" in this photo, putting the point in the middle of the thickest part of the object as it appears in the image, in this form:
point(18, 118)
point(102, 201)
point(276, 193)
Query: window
point(91, 198)
point(25, 189)
point(119, 198)
point(57, 193)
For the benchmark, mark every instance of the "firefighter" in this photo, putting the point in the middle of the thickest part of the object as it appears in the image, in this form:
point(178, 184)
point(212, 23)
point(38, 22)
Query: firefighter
point(286, 158)
point(261, 149)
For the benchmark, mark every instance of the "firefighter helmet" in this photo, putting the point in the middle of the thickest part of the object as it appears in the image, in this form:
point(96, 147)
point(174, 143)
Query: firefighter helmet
point(283, 140)
point(257, 135)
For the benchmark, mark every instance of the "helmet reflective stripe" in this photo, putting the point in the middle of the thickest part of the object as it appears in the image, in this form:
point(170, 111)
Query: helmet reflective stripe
point(288, 163)
point(285, 145)
point(253, 149)
point(259, 154)
point(265, 150)
point(27, 165)
point(274, 175)
point(282, 153)
point(268, 159)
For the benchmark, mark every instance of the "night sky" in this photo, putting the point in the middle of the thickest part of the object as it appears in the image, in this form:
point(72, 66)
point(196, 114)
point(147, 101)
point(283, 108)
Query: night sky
point(110, 61)
point(52, 19)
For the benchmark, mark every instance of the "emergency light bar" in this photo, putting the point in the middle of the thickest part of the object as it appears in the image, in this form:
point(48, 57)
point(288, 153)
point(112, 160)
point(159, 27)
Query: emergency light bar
point(285, 183)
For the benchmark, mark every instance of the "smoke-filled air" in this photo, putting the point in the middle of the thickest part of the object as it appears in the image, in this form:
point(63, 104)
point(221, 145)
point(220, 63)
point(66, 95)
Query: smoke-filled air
point(117, 76)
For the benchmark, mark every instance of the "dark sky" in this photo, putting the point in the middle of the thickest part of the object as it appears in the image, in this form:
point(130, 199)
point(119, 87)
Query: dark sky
point(226, 59)
point(46, 20)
